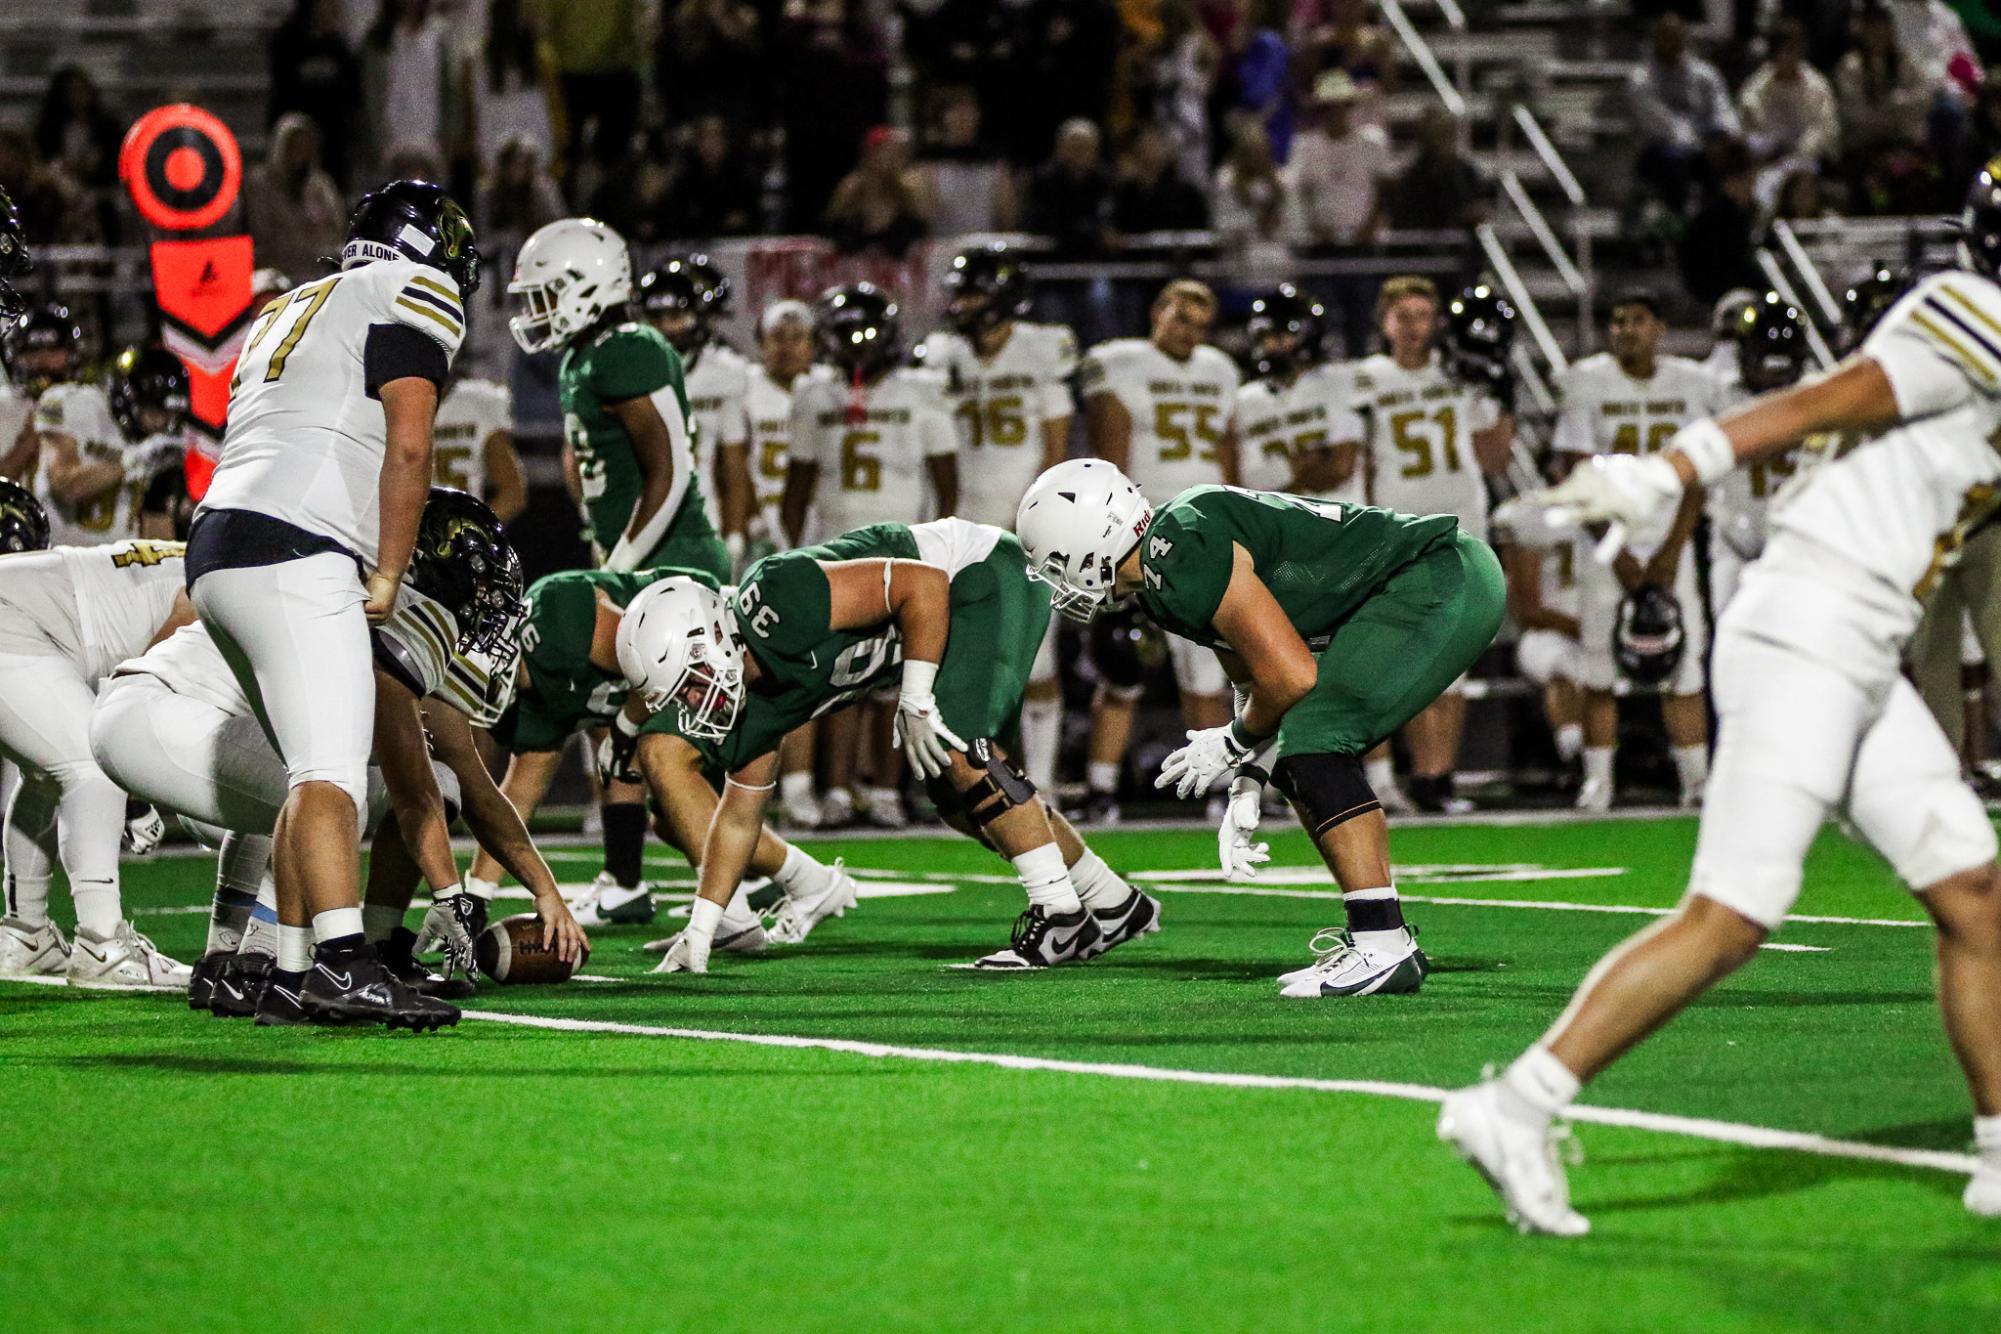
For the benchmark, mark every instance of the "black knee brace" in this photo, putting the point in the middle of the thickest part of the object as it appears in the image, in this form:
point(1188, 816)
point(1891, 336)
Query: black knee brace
point(1326, 790)
point(1002, 785)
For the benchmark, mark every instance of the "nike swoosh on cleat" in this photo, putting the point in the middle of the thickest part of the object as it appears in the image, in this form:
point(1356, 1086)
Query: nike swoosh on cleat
point(345, 981)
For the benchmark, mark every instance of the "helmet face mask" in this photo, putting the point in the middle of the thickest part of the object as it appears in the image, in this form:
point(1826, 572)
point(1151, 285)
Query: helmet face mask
point(568, 276)
point(148, 389)
point(1077, 524)
point(1479, 335)
point(1286, 330)
point(24, 525)
point(1868, 300)
point(462, 560)
point(857, 329)
point(1771, 344)
point(984, 289)
point(42, 348)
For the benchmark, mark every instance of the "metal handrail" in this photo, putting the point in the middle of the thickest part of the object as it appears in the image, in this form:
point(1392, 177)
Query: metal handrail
point(1809, 272)
point(1546, 237)
point(1776, 276)
point(1420, 51)
point(1558, 169)
point(1518, 292)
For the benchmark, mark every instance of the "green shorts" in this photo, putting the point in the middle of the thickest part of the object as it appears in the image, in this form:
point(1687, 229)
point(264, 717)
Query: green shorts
point(527, 726)
point(1399, 651)
point(999, 616)
point(705, 553)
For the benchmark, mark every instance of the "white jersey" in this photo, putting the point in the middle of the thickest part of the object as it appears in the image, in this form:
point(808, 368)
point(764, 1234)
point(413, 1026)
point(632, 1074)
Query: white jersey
point(717, 380)
point(1895, 508)
point(306, 437)
point(1181, 411)
point(98, 604)
point(1277, 423)
point(1001, 403)
point(1420, 439)
point(83, 413)
point(768, 404)
point(1606, 411)
point(1739, 504)
point(471, 413)
point(872, 464)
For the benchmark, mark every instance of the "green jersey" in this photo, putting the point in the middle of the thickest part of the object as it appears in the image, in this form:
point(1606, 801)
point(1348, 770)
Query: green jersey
point(1321, 559)
point(565, 691)
point(619, 363)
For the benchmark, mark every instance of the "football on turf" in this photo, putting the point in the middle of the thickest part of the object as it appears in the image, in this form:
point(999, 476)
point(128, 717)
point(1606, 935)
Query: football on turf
point(511, 951)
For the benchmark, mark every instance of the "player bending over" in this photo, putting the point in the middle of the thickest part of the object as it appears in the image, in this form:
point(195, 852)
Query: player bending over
point(1337, 623)
point(808, 630)
point(1816, 719)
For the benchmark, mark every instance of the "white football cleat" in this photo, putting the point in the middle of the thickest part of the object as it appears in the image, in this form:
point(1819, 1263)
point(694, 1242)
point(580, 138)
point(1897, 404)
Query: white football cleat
point(1594, 796)
point(1326, 941)
point(883, 808)
point(796, 918)
point(800, 812)
point(31, 951)
point(1983, 1192)
point(1519, 1160)
point(1353, 970)
point(608, 903)
point(122, 961)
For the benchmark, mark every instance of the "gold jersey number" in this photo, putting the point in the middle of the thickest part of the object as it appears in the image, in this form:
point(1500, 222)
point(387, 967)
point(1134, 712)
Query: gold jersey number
point(999, 421)
point(1180, 425)
point(1626, 440)
point(861, 470)
point(1426, 452)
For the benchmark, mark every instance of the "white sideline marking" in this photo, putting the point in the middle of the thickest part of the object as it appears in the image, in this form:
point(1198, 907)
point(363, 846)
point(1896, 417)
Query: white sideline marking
point(1462, 873)
point(1695, 1127)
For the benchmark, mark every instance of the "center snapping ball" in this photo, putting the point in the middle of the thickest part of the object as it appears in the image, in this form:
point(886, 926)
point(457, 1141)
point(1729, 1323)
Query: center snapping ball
point(511, 952)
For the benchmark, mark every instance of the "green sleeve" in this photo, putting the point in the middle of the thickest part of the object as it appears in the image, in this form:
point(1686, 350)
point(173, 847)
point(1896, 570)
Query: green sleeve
point(1186, 570)
point(784, 604)
point(630, 365)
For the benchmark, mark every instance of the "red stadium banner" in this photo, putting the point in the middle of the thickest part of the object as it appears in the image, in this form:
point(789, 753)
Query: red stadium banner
point(183, 170)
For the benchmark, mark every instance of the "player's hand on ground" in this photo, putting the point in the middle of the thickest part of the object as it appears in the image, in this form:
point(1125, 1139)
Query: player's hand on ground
point(144, 828)
point(560, 931)
point(453, 925)
point(927, 743)
point(382, 591)
point(1240, 857)
point(1614, 488)
point(1209, 754)
point(685, 955)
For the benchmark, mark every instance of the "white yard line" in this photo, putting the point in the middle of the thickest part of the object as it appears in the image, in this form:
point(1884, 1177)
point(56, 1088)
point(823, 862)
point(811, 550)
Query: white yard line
point(1724, 1132)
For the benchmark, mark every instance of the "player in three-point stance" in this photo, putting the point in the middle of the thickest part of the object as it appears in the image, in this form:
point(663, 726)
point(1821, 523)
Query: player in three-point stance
point(1336, 622)
point(301, 545)
point(1816, 718)
point(949, 608)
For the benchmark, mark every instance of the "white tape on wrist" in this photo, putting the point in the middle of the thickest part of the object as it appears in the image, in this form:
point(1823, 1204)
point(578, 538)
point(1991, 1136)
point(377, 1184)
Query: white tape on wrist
point(919, 676)
point(1707, 450)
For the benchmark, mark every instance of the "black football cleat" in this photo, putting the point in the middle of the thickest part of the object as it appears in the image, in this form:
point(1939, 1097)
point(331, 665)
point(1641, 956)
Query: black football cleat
point(201, 978)
point(1097, 808)
point(398, 955)
point(239, 985)
point(279, 1006)
point(357, 989)
point(1138, 916)
point(1043, 939)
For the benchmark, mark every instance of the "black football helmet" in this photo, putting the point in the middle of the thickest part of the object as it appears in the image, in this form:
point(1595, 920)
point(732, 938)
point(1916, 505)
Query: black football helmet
point(985, 287)
point(147, 377)
point(1126, 648)
point(24, 525)
point(1980, 222)
point(1648, 640)
point(857, 329)
point(463, 560)
point(414, 220)
point(1771, 344)
point(671, 289)
point(15, 262)
point(1868, 299)
point(710, 281)
point(1285, 311)
point(37, 342)
point(1478, 338)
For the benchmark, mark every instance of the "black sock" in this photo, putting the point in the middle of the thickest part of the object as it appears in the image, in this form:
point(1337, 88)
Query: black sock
point(1374, 914)
point(342, 947)
point(624, 841)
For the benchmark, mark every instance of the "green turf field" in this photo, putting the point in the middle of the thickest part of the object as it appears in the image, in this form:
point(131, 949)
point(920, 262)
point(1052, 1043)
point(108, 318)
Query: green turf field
point(657, 1171)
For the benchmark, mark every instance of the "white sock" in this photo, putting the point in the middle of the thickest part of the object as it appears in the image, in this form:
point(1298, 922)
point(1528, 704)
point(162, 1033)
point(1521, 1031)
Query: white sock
point(1987, 1138)
point(337, 922)
point(702, 919)
point(97, 906)
point(1102, 777)
point(1538, 1086)
point(1041, 737)
point(1598, 765)
point(879, 796)
point(260, 936)
point(1692, 764)
point(1382, 775)
point(295, 948)
point(795, 790)
point(378, 920)
point(1047, 880)
point(1097, 884)
point(1569, 741)
point(801, 877)
point(482, 889)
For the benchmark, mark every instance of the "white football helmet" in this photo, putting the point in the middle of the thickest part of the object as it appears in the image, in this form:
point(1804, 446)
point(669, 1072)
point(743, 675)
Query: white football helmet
point(677, 645)
point(1077, 522)
point(567, 275)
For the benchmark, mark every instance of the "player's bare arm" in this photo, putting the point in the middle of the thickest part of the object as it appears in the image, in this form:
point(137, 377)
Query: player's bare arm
point(526, 782)
point(506, 484)
point(1525, 602)
point(944, 470)
point(1493, 444)
point(1109, 428)
point(21, 451)
point(1228, 458)
point(1854, 396)
point(738, 824)
point(1055, 440)
point(916, 596)
point(653, 448)
point(801, 476)
point(1661, 567)
point(673, 772)
point(182, 612)
point(405, 760)
point(74, 480)
point(736, 492)
point(409, 405)
point(1280, 667)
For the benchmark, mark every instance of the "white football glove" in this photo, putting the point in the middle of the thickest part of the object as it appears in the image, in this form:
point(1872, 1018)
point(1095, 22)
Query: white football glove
point(686, 955)
point(1209, 754)
point(1241, 858)
point(922, 733)
point(1614, 488)
point(143, 829)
